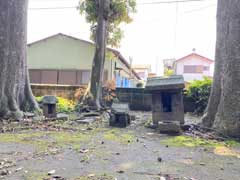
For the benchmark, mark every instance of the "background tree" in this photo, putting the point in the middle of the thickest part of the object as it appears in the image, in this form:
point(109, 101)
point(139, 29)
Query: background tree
point(105, 17)
point(15, 92)
point(223, 111)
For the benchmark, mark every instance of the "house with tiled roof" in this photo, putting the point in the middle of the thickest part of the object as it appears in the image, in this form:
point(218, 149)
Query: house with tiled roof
point(65, 60)
point(194, 67)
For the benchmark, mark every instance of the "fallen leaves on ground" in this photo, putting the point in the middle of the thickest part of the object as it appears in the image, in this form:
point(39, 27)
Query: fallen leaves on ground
point(225, 151)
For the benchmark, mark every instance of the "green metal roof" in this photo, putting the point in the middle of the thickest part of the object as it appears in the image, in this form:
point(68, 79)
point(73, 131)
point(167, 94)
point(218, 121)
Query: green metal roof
point(164, 83)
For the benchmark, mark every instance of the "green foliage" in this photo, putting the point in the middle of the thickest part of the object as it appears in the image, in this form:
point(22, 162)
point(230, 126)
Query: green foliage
point(198, 92)
point(169, 72)
point(119, 12)
point(188, 141)
point(63, 105)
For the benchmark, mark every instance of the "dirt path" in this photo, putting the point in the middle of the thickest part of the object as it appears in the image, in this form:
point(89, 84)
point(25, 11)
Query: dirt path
point(100, 152)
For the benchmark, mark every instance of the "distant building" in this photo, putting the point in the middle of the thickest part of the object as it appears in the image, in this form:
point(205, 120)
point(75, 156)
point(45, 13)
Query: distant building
point(151, 75)
point(142, 70)
point(168, 63)
point(193, 67)
point(66, 60)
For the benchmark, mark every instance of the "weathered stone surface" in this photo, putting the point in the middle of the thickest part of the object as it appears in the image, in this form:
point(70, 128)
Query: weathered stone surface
point(170, 127)
point(62, 116)
point(89, 120)
point(167, 99)
point(163, 83)
point(119, 115)
point(120, 107)
point(49, 100)
point(49, 106)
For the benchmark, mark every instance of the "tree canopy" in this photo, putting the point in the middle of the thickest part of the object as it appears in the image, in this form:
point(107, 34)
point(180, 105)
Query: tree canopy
point(118, 13)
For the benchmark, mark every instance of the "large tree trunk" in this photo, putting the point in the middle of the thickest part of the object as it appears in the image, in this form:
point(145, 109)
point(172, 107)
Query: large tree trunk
point(99, 57)
point(227, 117)
point(209, 116)
point(15, 92)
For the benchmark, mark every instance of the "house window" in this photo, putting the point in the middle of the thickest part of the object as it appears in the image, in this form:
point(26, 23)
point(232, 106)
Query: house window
point(49, 77)
point(67, 77)
point(35, 76)
point(193, 69)
point(206, 68)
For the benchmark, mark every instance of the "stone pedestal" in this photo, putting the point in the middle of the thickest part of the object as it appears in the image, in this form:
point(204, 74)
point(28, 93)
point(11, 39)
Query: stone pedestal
point(119, 115)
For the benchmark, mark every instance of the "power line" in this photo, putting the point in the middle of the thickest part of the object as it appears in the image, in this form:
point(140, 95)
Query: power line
point(144, 3)
point(199, 9)
point(54, 8)
point(169, 2)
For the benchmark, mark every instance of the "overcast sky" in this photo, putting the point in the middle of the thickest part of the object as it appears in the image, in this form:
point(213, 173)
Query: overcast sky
point(159, 31)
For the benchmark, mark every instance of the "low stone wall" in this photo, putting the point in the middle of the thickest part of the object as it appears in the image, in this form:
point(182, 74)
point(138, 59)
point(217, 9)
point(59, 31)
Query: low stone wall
point(64, 91)
point(138, 98)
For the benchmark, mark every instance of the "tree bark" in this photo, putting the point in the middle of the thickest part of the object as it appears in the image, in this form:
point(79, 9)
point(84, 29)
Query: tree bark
point(99, 57)
point(227, 114)
point(15, 92)
point(211, 110)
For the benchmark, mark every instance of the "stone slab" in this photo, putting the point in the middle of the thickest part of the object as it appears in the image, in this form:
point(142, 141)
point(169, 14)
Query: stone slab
point(169, 127)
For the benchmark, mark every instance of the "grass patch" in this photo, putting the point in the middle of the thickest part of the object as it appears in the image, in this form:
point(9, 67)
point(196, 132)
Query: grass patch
point(232, 143)
point(119, 136)
point(188, 141)
point(42, 141)
point(96, 177)
point(63, 139)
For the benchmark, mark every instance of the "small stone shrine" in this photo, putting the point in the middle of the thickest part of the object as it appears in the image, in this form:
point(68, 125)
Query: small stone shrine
point(167, 102)
point(49, 104)
point(119, 115)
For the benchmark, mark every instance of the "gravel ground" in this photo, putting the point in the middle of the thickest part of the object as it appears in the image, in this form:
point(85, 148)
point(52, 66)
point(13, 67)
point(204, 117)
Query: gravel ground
point(133, 153)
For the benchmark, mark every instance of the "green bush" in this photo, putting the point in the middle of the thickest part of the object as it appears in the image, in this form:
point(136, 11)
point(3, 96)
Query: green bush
point(63, 105)
point(198, 92)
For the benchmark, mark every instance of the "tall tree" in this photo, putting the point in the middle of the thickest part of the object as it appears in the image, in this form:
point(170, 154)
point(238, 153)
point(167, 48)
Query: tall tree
point(223, 111)
point(15, 92)
point(105, 17)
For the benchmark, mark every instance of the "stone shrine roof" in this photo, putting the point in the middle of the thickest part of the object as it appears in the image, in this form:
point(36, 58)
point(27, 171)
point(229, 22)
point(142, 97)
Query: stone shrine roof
point(49, 100)
point(165, 83)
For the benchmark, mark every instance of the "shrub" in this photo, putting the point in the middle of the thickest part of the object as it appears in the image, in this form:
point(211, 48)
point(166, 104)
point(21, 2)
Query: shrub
point(79, 93)
point(139, 85)
point(109, 92)
point(198, 92)
point(63, 105)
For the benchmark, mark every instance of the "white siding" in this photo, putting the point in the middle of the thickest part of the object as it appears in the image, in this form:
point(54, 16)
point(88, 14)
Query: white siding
point(193, 61)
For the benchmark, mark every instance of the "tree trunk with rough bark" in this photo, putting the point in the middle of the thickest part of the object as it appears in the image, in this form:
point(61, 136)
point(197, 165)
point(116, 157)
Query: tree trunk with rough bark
point(209, 116)
point(223, 111)
point(15, 92)
point(99, 57)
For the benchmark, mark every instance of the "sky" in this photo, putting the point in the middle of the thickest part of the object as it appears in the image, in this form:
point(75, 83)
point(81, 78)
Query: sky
point(158, 31)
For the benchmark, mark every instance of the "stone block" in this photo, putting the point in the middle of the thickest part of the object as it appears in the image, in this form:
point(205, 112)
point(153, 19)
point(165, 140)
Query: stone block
point(119, 120)
point(169, 127)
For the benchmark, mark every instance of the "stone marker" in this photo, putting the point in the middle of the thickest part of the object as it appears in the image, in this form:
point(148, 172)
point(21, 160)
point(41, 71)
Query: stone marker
point(167, 102)
point(49, 104)
point(171, 127)
point(119, 116)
